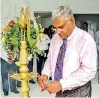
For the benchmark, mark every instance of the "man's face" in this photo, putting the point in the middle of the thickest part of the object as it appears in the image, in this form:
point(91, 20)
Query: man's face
point(63, 27)
point(85, 27)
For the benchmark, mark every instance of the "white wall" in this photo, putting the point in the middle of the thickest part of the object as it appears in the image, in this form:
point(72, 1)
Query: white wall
point(11, 8)
point(43, 5)
point(82, 6)
point(78, 6)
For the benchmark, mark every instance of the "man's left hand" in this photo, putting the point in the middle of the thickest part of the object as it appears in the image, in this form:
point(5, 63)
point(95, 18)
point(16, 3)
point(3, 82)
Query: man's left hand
point(53, 87)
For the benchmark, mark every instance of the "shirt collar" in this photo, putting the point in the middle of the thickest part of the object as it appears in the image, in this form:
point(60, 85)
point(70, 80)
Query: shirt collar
point(72, 34)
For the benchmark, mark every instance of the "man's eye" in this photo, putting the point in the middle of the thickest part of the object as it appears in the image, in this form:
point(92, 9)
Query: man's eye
point(61, 27)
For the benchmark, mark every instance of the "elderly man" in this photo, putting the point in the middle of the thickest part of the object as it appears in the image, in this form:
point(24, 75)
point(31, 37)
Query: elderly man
point(71, 60)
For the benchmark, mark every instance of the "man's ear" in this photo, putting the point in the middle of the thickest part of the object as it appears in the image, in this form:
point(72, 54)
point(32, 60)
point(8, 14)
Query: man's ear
point(72, 20)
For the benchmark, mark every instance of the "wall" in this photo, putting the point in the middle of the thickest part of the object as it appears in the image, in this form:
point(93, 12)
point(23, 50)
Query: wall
point(82, 6)
point(10, 8)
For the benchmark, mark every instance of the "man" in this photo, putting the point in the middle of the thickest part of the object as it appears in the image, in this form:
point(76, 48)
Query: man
point(85, 28)
point(97, 44)
point(71, 72)
point(7, 66)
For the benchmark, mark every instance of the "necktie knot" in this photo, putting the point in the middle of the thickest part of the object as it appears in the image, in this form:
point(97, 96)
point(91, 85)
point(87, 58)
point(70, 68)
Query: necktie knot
point(64, 41)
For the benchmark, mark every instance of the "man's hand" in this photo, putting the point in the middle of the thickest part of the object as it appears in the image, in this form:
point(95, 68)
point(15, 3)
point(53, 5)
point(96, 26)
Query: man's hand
point(53, 87)
point(10, 61)
point(42, 80)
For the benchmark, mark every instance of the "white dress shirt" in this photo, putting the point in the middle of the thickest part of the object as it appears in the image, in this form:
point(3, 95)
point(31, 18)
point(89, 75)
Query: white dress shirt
point(79, 64)
point(3, 54)
point(97, 40)
point(43, 45)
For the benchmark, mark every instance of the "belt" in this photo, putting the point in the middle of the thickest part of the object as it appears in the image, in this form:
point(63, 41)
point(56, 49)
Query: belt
point(76, 88)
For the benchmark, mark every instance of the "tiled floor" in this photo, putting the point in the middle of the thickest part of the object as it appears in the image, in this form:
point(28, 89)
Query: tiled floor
point(35, 91)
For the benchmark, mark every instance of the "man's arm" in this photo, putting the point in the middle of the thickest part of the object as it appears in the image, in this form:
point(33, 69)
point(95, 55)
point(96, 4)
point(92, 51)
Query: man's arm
point(47, 66)
point(46, 72)
point(3, 54)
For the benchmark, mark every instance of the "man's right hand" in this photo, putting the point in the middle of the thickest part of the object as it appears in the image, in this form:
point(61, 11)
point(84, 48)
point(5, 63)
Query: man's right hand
point(42, 80)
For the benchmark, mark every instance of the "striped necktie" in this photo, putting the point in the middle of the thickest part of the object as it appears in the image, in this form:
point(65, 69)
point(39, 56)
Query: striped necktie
point(60, 60)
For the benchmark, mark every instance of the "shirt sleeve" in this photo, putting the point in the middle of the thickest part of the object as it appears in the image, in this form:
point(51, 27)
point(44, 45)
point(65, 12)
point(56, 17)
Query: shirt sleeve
point(47, 66)
point(87, 69)
point(3, 54)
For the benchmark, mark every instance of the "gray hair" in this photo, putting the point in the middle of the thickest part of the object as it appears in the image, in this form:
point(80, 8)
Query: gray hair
point(62, 10)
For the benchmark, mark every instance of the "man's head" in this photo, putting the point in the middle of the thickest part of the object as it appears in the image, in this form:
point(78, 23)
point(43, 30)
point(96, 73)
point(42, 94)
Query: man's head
point(85, 26)
point(63, 21)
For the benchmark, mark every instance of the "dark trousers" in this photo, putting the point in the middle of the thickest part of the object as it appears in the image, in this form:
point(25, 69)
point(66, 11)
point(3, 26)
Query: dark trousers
point(18, 81)
point(46, 52)
point(40, 63)
point(83, 91)
point(30, 65)
point(5, 70)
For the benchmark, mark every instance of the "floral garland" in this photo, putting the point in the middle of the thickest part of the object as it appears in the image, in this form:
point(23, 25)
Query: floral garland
point(11, 37)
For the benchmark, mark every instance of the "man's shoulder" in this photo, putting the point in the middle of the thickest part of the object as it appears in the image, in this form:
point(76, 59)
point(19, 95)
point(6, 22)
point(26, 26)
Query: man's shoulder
point(55, 36)
point(81, 33)
point(84, 35)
